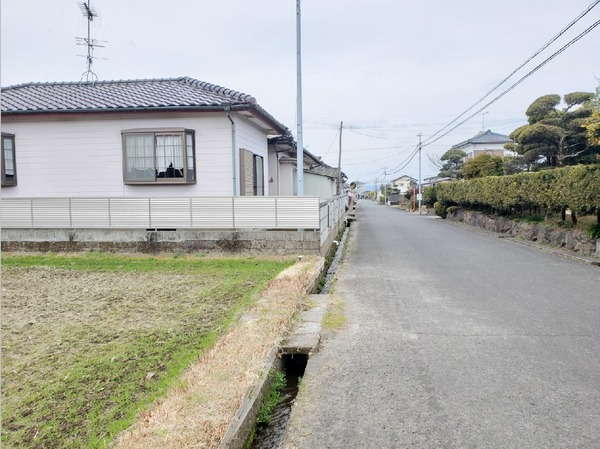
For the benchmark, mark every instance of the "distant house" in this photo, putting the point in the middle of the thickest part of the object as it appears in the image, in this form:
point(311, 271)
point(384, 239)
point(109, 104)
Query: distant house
point(320, 179)
point(405, 183)
point(487, 142)
point(427, 182)
point(138, 138)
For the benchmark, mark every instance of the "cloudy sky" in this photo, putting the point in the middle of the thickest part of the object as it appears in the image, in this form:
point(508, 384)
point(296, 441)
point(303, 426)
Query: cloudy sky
point(388, 69)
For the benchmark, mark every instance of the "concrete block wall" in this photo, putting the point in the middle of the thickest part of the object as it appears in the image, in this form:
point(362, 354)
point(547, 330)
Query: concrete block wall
point(287, 242)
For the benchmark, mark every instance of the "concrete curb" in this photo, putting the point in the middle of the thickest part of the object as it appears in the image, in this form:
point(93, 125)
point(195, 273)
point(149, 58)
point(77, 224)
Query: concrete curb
point(306, 337)
point(239, 430)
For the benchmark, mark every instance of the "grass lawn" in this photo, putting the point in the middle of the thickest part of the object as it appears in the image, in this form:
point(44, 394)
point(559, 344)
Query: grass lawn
point(90, 340)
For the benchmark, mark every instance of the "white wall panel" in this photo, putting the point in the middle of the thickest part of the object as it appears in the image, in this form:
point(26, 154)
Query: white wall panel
point(173, 213)
point(90, 213)
point(212, 212)
point(52, 213)
point(16, 213)
point(298, 212)
point(170, 212)
point(255, 212)
point(130, 212)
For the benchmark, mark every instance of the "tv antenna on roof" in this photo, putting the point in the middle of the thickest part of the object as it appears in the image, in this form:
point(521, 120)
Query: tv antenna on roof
point(89, 13)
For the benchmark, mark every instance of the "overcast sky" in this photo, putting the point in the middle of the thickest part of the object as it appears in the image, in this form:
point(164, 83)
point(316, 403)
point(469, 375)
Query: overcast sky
point(389, 69)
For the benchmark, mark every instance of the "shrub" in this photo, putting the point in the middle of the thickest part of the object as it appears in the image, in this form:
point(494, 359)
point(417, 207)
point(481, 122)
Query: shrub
point(594, 231)
point(576, 187)
point(440, 209)
point(429, 195)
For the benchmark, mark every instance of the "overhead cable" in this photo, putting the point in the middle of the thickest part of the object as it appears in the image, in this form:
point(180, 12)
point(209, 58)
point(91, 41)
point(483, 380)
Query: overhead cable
point(523, 78)
point(546, 45)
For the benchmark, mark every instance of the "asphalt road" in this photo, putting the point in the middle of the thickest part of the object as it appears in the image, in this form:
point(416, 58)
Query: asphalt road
point(455, 339)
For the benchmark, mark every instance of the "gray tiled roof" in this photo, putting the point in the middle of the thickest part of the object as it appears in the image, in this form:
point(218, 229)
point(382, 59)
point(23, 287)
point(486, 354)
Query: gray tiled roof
point(484, 138)
point(166, 93)
point(163, 94)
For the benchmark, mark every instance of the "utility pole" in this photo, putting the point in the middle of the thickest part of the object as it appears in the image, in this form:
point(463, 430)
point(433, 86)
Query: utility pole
point(300, 143)
point(339, 185)
point(384, 189)
point(420, 194)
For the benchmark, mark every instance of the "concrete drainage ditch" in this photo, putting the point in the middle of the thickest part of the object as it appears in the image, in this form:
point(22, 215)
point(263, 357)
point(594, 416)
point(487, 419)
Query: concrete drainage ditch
point(271, 434)
point(291, 358)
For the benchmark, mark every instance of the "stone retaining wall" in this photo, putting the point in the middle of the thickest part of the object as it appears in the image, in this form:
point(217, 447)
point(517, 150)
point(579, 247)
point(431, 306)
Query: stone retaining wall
point(290, 242)
point(572, 240)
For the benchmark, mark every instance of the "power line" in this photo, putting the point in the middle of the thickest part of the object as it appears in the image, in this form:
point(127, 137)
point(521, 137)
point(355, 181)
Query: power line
point(366, 135)
point(523, 78)
point(331, 144)
point(546, 45)
point(402, 165)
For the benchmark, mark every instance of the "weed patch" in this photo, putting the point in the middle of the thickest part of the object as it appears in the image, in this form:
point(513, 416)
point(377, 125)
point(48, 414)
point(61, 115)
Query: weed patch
point(272, 398)
point(334, 317)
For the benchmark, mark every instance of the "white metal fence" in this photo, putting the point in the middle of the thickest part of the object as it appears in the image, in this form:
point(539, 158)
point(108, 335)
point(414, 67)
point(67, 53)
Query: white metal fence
point(172, 213)
point(268, 212)
point(331, 212)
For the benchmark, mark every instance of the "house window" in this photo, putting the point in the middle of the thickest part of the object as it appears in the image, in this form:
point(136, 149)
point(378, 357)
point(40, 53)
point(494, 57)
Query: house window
point(252, 174)
point(9, 166)
point(162, 156)
point(259, 176)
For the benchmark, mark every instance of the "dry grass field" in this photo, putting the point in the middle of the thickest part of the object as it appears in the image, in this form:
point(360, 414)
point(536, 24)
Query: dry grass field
point(93, 343)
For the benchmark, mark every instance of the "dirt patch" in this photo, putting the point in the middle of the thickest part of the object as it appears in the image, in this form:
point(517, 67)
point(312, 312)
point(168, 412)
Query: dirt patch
point(85, 350)
point(197, 411)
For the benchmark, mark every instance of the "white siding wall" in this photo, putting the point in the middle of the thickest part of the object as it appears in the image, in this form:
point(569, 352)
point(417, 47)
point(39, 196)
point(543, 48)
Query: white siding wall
point(273, 173)
point(250, 138)
point(286, 179)
point(471, 148)
point(320, 186)
point(73, 157)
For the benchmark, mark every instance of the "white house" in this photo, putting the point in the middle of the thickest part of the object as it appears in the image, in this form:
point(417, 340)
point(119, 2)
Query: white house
point(427, 182)
point(320, 179)
point(176, 137)
point(487, 142)
point(405, 183)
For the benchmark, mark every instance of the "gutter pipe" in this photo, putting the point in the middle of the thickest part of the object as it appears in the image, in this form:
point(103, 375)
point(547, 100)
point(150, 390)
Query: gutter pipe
point(233, 150)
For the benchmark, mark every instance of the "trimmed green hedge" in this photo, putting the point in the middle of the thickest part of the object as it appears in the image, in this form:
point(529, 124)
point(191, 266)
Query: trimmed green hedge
point(576, 187)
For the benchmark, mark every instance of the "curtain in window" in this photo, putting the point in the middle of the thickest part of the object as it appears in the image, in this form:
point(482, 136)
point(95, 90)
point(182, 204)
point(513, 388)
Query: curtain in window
point(140, 156)
point(169, 156)
point(9, 162)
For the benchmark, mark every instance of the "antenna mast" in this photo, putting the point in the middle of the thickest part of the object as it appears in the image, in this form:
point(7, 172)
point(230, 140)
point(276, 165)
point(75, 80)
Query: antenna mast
point(89, 13)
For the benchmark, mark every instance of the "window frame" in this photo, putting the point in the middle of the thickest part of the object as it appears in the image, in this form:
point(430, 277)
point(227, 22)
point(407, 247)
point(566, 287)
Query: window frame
point(188, 156)
point(258, 181)
point(6, 182)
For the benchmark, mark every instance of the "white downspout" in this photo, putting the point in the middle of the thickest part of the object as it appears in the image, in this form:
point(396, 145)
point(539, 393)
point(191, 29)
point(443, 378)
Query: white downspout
point(233, 150)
